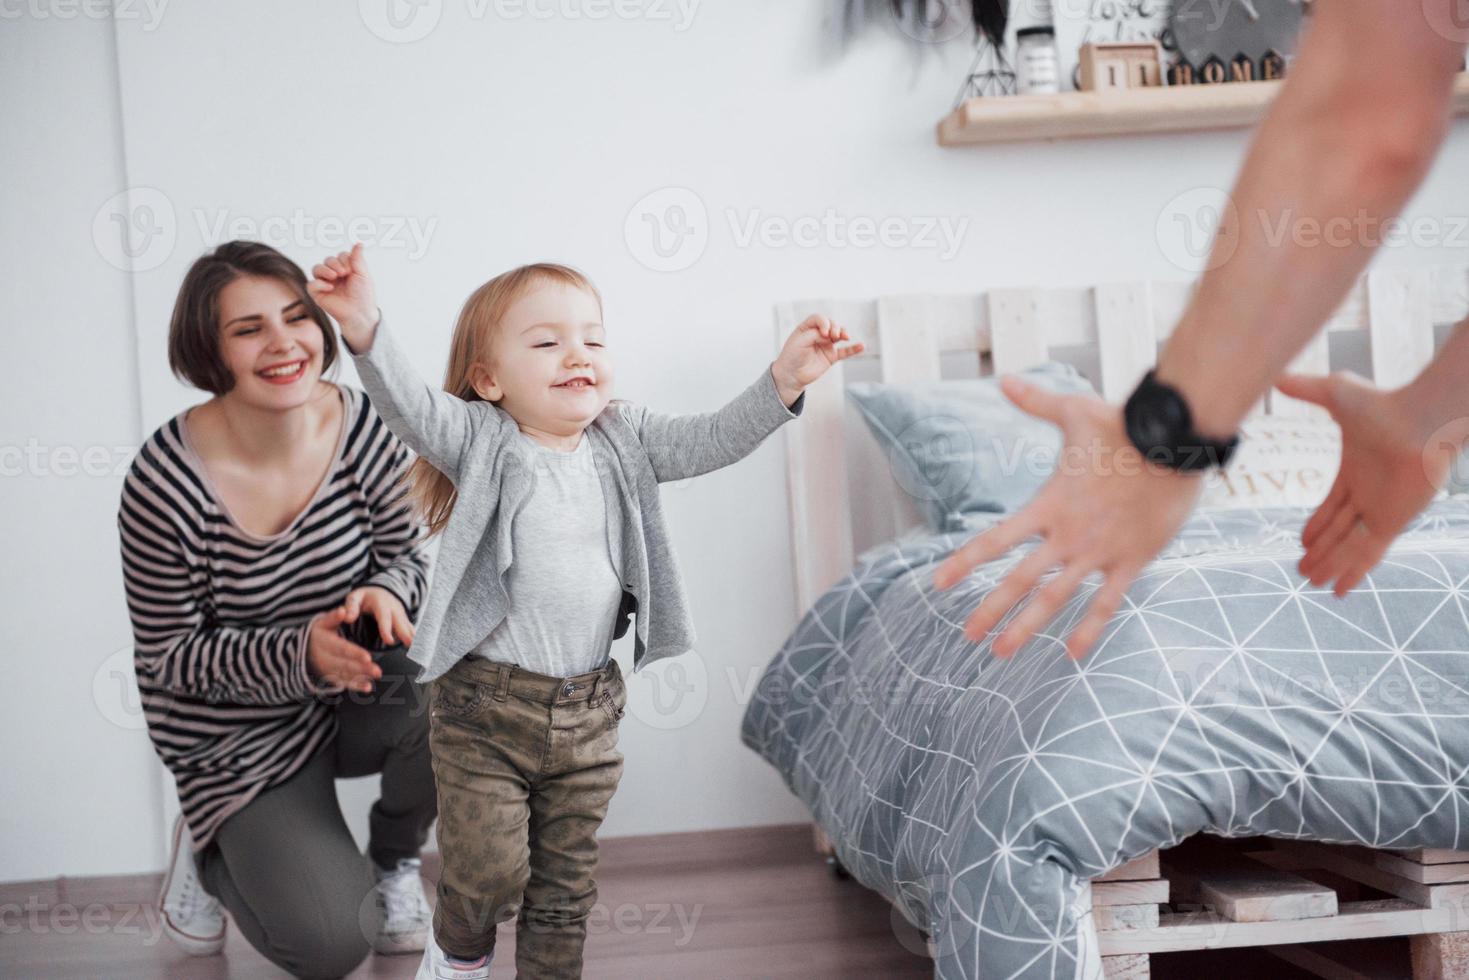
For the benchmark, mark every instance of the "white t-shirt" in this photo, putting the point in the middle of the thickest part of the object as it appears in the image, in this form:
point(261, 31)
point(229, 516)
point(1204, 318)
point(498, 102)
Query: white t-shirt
point(564, 588)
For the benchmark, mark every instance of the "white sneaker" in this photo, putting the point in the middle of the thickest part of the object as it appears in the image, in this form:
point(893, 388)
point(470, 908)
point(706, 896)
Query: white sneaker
point(406, 917)
point(191, 917)
point(436, 965)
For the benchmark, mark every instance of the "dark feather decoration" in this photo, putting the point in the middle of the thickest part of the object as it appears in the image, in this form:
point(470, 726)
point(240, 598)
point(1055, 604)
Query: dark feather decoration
point(990, 17)
point(933, 19)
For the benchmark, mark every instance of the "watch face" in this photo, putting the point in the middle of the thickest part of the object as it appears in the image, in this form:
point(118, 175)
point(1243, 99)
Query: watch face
point(1153, 432)
point(1161, 427)
point(1156, 417)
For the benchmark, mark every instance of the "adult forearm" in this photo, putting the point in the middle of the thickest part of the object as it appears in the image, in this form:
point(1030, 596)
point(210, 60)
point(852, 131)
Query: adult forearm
point(1345, 145)
point(1440, 393)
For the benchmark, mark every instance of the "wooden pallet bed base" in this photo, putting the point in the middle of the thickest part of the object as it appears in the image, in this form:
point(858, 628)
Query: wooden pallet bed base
point(1212, 893)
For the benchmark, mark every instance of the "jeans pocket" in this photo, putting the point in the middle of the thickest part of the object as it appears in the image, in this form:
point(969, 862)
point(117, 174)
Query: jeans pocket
point(614, 701)
point(458, 698)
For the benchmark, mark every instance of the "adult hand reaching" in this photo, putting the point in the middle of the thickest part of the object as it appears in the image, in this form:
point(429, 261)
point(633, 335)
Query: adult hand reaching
point(1392, 464)
point(1105, 510)
point(1330, 145)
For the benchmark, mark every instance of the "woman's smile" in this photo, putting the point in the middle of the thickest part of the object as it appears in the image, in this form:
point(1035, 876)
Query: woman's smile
point(284, 373)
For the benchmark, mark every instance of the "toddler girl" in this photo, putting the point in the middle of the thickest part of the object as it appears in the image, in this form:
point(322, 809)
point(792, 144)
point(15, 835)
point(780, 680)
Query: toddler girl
point(546, 491)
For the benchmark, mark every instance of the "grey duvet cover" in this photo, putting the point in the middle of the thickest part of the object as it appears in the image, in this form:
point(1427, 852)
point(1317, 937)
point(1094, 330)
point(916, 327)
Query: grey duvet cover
point(1227, 695)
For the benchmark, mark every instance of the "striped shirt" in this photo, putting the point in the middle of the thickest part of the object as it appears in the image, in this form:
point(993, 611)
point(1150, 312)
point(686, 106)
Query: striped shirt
point(221, 615)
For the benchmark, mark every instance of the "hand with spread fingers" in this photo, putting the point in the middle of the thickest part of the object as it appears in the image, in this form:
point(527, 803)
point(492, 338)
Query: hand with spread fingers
point(1105, 510)
point(1394, 459)
point(1259, 301)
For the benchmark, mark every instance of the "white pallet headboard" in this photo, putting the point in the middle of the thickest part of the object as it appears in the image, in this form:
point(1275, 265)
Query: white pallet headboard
point(1118, 327)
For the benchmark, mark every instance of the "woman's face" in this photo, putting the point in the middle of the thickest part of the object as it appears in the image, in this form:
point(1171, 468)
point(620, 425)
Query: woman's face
point(269, 342)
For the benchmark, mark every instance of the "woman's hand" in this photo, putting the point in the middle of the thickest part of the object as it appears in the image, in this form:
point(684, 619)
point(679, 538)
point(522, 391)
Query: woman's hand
point(336, 660)
point(393, 622)
point(1105, 510)
point(807, 354)
point(1392, 464)
point(342, 286)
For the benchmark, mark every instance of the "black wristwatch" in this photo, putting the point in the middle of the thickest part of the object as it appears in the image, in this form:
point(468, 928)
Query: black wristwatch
point(1160, 425)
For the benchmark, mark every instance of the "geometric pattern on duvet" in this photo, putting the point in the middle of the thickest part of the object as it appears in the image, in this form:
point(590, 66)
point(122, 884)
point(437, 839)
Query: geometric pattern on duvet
point(1227, 695)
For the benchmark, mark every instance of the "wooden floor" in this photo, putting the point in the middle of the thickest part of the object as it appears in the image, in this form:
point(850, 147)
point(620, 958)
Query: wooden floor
point(735, 905)
point(743, 903)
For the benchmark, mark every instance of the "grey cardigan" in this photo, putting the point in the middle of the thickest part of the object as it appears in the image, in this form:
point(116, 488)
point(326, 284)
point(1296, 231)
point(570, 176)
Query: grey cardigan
point(478, 446)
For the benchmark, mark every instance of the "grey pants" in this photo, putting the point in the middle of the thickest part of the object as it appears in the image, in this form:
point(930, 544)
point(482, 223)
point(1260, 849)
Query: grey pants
point(285, 865)
point(526, 765)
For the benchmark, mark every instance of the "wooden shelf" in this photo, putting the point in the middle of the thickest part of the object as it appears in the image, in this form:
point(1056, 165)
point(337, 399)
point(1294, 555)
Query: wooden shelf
point(1080, 115)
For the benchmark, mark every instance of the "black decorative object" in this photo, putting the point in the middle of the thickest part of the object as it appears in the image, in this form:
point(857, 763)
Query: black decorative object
point(989, 73)
point(932, 20)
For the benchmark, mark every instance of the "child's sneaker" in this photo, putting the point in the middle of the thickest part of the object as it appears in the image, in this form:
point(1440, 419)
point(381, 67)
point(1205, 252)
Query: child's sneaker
point(436, 965)
point(406, 915)
point(191, 917)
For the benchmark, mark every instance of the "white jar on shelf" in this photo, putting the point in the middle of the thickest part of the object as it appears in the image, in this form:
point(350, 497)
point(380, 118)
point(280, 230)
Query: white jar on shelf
point(1037, 67)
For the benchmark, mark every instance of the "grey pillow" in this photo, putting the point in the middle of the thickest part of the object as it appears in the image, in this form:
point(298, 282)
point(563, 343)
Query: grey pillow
point(961, 447)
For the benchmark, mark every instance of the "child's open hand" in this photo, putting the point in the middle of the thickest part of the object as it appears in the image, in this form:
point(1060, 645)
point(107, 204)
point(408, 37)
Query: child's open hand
point(343, 287)
point(809, 351)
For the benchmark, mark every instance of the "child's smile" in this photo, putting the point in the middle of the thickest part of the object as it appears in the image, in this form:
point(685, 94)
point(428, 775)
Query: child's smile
point(548, 363)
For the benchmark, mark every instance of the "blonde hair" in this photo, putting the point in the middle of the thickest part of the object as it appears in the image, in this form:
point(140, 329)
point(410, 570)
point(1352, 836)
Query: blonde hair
point(432, 493)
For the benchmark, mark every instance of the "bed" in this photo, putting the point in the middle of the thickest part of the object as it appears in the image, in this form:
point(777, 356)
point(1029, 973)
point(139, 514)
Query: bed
point(1015, 810)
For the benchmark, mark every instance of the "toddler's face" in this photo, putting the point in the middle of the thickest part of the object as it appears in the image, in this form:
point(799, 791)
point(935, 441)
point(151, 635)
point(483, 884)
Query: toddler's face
point(551, 368)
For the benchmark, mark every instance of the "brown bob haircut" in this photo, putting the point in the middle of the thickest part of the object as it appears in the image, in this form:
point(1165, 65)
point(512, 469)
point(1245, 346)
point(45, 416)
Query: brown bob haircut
point(193, 331)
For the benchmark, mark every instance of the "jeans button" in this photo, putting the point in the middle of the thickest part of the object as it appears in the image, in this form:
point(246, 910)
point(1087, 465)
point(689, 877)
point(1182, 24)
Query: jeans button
point(569, 689)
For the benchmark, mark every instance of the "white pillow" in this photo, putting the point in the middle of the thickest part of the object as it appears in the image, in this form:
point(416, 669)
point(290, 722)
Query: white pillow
point(1280, 462)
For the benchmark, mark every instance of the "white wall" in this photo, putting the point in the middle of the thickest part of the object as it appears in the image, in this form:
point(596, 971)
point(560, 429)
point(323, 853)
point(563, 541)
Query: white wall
point(79, 783)
point(506, 139)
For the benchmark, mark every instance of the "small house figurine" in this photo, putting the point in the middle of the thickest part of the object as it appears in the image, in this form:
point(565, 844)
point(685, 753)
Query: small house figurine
point(1121, 65)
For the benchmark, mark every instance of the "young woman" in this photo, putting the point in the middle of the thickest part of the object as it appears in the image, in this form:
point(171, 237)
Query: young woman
point(257, 529)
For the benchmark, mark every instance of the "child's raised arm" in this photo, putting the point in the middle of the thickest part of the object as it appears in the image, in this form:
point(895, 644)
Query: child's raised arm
point(432, 422)
point(683, 446)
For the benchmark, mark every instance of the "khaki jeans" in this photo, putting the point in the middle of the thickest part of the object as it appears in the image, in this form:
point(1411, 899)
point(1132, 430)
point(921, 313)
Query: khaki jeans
point(525, 765)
